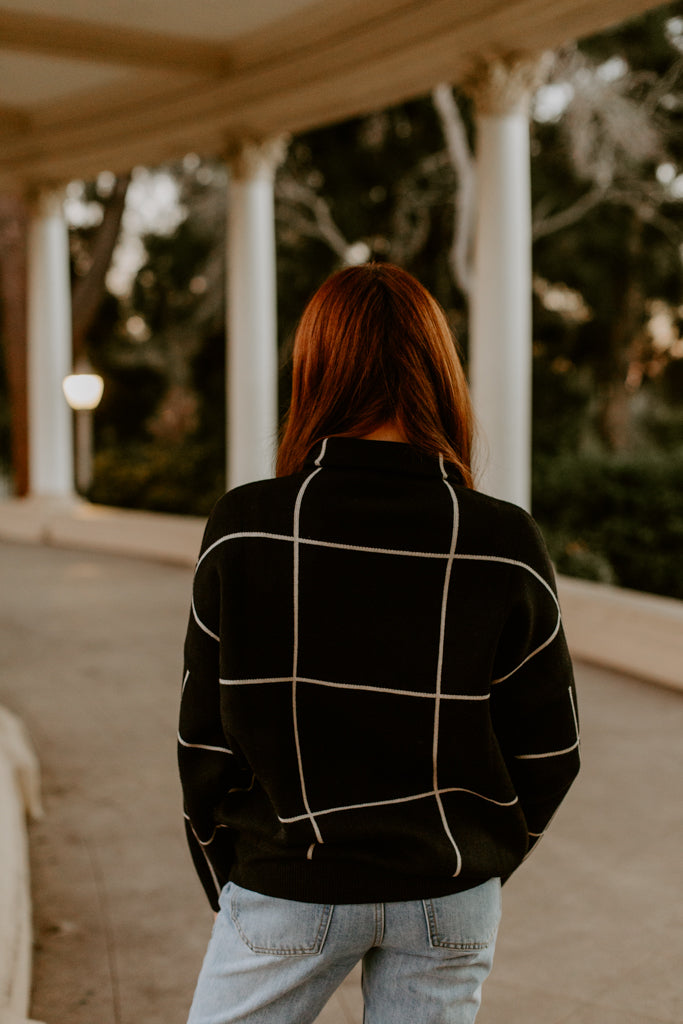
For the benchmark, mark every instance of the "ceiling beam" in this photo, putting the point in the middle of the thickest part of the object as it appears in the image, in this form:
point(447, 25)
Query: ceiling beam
point(109, 44)
point(14, 121)
point(291, 88)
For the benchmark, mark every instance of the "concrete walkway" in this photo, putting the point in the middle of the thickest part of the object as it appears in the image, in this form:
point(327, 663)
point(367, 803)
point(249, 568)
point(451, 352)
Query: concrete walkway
point(90, 652)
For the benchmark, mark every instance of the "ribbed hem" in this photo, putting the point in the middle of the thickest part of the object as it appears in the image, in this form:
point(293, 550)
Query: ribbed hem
point(334, 883)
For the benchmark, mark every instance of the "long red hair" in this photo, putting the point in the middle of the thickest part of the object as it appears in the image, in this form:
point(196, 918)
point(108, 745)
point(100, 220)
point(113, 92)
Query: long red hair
point(373, 347)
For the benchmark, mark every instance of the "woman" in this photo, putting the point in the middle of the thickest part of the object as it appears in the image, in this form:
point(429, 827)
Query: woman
point(378, 717)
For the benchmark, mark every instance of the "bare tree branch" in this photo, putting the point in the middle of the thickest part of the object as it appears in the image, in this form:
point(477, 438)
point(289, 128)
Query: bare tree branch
point(411, 223)
point(89, 291)
point(662, 85)
point(548, 225)
point(460, 156)
point(321, 223)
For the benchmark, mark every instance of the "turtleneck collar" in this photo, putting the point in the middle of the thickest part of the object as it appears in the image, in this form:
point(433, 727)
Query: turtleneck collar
point(379, 456)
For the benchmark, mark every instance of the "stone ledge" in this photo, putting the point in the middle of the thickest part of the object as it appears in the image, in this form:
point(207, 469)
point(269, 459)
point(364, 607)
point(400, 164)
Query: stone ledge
point(74, 523)
point(626, 630)
point(11, 1018)
point(639, 634)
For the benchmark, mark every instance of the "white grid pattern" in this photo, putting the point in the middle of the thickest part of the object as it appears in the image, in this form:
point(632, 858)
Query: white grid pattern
point(388, 551)
point(439, 669)
point(203, 746)
point(401, 800)
point(297, 516)
point(564, 750)
point(204, 853)
point(437, 696)
point(355, 686)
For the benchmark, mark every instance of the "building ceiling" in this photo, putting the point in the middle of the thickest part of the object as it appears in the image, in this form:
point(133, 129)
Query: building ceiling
point(89, 85)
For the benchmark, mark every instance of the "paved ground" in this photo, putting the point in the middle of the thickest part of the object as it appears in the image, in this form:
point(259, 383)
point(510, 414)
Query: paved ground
point(90, 654)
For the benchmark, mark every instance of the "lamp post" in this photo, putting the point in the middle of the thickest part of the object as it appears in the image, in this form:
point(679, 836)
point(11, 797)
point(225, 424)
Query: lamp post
point(83, 391)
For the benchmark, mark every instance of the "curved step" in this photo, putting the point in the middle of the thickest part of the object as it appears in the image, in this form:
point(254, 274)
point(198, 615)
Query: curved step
point(19, 798)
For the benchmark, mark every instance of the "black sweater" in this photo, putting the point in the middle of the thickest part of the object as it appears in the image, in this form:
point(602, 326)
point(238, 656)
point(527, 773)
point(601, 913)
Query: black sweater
point(378, 700)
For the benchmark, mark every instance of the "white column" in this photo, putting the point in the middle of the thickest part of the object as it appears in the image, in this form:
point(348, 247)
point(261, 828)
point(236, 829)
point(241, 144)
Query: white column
point(49, 351)
point(252, 359)
point(500, 334)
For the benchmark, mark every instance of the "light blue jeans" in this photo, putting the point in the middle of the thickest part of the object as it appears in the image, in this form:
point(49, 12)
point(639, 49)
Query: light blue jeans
point(279, 961)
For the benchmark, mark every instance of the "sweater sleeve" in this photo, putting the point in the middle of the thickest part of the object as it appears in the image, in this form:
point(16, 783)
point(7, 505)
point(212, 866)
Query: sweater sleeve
point(533, 697)
point(208, 767)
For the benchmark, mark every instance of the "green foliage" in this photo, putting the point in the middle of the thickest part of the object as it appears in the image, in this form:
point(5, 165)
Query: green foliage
point(160, 429)
point(160, 293)
point(614, 518)
point(180, 478)
point(383, 186)
point(386, 186)
point(561, 395)
point(645, 41)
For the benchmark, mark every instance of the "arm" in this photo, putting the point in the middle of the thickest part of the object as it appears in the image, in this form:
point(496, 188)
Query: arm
point(533, 698)
point(208, 767)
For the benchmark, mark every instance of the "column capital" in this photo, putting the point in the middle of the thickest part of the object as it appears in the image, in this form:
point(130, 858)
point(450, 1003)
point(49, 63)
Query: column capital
point(12, 223)
point(503, 83)
point(250, 158)
point(45, 200)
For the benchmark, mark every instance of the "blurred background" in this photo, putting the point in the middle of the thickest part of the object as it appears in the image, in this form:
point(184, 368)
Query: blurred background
point(147, 267)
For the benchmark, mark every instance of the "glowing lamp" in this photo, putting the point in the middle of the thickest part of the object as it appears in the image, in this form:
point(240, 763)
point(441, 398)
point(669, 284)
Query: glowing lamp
point(83, 391)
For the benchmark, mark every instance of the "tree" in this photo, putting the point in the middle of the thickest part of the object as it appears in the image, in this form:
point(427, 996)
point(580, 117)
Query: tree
point(94, 258)
point(614, 239)
point(163, 413)
point(398, 185)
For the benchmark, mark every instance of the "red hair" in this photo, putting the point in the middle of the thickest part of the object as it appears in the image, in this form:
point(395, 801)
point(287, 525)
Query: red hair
point(373, 347)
